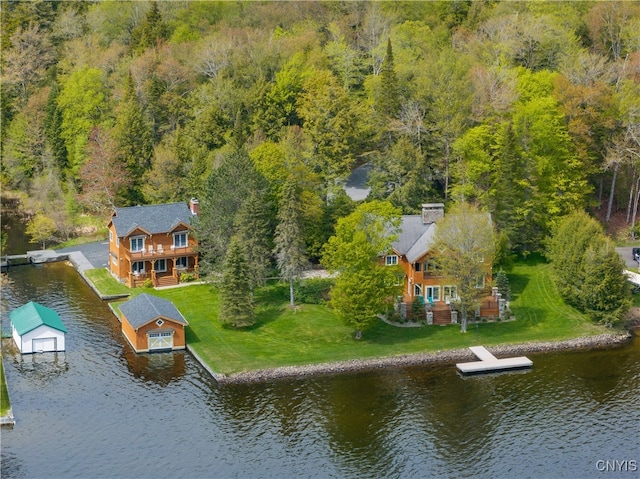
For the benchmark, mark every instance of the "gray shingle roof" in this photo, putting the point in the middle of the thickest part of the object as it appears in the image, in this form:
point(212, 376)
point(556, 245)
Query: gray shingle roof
point(146, 308)
point(151, 218)
point(415, 237)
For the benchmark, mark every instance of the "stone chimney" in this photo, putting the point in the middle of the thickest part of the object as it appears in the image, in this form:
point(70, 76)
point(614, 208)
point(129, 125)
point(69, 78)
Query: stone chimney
point(194, 206)
point(431, 212)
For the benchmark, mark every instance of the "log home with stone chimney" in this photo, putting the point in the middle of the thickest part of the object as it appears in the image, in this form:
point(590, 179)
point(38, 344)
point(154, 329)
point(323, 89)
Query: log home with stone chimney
point(153, 243)
point(423, 282)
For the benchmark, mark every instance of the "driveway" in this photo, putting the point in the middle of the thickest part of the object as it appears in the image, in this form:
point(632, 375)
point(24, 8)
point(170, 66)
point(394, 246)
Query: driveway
point(627, 256)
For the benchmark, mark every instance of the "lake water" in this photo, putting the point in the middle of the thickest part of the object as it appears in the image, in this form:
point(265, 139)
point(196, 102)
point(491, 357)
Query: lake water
point(99, 410)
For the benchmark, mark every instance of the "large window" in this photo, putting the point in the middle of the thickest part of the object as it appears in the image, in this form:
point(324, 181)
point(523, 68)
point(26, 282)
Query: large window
point(182, 262)
point(160, 265)
point(137, 244)
point(137, 267)
point(391, 260)
point(180, 240)
point(432, 293)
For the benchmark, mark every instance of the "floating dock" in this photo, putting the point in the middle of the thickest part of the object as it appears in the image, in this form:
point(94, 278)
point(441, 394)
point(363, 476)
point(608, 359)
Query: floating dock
point(489, 363)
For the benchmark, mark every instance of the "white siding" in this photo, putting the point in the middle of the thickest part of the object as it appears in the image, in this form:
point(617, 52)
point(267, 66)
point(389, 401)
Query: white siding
point(25, 343)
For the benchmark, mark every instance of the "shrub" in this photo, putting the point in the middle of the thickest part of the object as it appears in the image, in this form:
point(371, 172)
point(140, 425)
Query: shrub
point(313, 290)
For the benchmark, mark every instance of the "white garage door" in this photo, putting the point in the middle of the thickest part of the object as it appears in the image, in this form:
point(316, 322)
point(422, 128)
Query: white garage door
point(44, 344)
point(159, 341)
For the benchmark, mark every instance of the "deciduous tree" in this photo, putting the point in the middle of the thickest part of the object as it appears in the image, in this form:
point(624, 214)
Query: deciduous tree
point(464, 245)
point(365, 287)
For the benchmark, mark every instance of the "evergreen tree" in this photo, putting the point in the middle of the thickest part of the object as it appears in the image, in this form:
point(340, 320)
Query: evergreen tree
point(566, 249)
point(389, 99)
point(254, 231)
point(226, 189)
point(501, 281)
point(151, 30)
point(236, 303)
point(605, 293)
point(135, 145)
point(289, 239)
point(53, 128)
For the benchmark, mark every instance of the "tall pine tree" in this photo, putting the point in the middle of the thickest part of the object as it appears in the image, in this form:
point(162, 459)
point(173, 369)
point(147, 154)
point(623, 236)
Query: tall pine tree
point(133, 137)
point(236, 301)
point(289, 240)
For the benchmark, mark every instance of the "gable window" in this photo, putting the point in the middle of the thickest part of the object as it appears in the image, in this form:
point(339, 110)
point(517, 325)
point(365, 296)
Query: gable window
point(160, 265)
point(137, 244)
point(417, 267)
point(391, 260)
point(180, 240)
point(181, 262)
point(137, 267)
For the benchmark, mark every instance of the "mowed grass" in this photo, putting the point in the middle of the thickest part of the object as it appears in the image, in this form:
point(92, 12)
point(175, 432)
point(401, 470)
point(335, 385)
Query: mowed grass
point(106, 283)
point(311, 334)
point(5, 405)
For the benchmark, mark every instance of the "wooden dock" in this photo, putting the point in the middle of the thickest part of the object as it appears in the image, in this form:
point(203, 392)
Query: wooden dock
point(489, 363)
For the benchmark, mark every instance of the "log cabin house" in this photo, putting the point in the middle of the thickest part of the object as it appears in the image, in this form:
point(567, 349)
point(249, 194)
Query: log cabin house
point(153, 243)
point(423, 282)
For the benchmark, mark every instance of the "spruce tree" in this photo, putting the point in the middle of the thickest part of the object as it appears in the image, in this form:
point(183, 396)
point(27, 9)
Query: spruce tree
point(389, 101)
point(236, 302)
point(135, 144)
point(502, 283)
point(254, 230)
point(289, 241)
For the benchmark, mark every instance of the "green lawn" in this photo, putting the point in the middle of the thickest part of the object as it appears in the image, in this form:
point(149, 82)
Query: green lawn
point(4, 395)
point(311, 334)
point(105, 283)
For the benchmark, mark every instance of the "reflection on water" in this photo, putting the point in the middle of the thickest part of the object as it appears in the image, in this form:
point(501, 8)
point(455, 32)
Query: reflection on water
point(100, 410)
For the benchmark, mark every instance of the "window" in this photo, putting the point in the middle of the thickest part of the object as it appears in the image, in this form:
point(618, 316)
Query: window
point(391, 260)
point(432, 293)
point(480, 281)
point(110, 236)
point(159, 322)
point(137, 244)
point(114, 260)
point(417, 290)
point(431, 266)
point(137, 267)
point(182, 262)
point(417, 267)
point(450, 293)
point(180, 240)
point(160, 265)
point(117, 242)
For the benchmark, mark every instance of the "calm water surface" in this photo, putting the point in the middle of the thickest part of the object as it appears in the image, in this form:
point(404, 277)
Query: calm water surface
point(99, 410)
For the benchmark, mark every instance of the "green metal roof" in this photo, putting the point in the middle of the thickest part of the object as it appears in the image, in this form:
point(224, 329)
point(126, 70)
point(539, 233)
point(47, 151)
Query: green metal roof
point(31, 315)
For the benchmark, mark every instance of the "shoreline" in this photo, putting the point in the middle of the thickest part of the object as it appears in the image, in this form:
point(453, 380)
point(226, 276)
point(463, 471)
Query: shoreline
point(601, 341)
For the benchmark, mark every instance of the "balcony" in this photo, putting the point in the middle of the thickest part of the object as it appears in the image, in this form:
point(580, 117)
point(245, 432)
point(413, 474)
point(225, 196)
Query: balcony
point(153, 252)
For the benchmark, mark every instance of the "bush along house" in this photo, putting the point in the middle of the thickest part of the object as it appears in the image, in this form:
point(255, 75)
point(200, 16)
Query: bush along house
point(427, 294)
point(153, 245)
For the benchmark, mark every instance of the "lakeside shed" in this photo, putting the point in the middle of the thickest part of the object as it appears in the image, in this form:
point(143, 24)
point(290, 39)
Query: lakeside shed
point(37, 329)
point(152, 324)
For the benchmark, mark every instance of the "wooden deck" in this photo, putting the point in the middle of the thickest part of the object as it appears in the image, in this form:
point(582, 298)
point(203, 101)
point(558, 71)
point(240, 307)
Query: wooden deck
point(489, 363)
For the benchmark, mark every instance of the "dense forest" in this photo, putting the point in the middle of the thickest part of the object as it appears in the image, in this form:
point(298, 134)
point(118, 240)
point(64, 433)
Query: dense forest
point(530, 110)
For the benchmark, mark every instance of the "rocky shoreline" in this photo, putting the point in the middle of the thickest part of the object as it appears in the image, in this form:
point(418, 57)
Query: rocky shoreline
point(451, 356)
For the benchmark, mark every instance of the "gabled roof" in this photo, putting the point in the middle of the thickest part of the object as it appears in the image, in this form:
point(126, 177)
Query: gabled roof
point(28, 317)
point(151, 218)
point(146, 308)
point(415, 237)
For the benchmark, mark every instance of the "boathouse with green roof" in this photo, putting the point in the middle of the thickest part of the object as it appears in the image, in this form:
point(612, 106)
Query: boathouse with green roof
point(37, 329)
